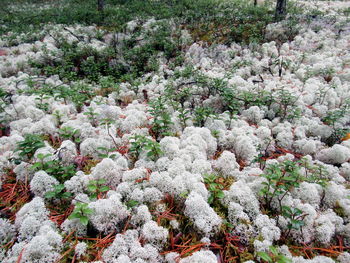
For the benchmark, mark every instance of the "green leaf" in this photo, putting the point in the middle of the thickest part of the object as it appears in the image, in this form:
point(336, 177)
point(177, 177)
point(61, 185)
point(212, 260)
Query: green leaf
point(210, 199)
point(220, 194)
point(92, 187)
point(265, 256)
point(66, 195)
point(74, 215)
point(93, 196)
point(35, 166)
point(59, 187)
point(84, 220)
point(50, 194)
point(273, 250)
point(104, 188)
point(283, 259)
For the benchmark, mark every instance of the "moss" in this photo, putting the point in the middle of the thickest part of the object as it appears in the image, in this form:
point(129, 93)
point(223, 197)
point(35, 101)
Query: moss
point(339, 210)
point(89, 164)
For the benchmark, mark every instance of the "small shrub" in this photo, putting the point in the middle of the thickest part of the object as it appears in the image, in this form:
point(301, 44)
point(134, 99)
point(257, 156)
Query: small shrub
point(140, 143)
point(54, 168)
point(202, 114)
point(81, 212)
point(215, 189)
point(273, 256)
point(96, 187)
point(31, 143)
point(161, 118)
point(69, 133)
point(58, 193)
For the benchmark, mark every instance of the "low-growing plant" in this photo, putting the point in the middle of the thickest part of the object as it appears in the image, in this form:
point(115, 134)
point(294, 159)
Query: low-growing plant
point(106, 152)
point(58, 193)
point(161, 121)
point(215, 189)
point(91, 115)
point(78, 93)
point(286, 105)
point(231, 103)
point(154, 150)
point(69, 133)
point(31, 143)
point(58, 116)
point(332, 119)
point(139, 143)
point(54, 168)
point(202, 114)
point(282, 178)
point(5, 99)
point(96, 187)
point(108, 85)
point(295, 218)
point(131, 204)
point(81, 212)
point(273, 256)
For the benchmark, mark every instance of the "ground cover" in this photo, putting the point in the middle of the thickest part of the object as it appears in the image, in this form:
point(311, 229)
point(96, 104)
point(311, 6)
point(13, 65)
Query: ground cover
point(174, 131)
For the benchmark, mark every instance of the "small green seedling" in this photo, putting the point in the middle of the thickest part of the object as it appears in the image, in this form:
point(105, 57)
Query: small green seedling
point(96, 187)
point(91, 115)
point(131, 204)
point(58, 193)
point(81, 212)
point(54, 168)
point(295, 217)
point(215, 189)
point(106, 152)
point(31, 143)
point(202, 114)
point(273, 256)
point(69, 133)
point(161, 118)
point(140, 143)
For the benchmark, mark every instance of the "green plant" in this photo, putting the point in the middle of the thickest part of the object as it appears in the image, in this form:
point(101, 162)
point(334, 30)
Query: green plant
point(96, 187)
point(281, 178)
point(285, 102)
point(54, 167)
point(91, 115)
point(108, 85)
point(295, 218)
point(58, 193)
point(69, 133)
point(5, 99)
point(161, 118)
point(184, 116)
point(332, 119)
point(139, 143)
point(215, 189)
point(273, 256)
point(231, 103)
point(58, 116)
point(131, 204)
point(202, 114)
point(153, 148)
point(106, 152)
point(81, 212)
point(31, 143)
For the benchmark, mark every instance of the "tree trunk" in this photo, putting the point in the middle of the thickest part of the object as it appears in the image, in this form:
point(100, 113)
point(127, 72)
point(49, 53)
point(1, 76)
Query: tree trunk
point(255, 2)
point(281, 9)
point(100, 5)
